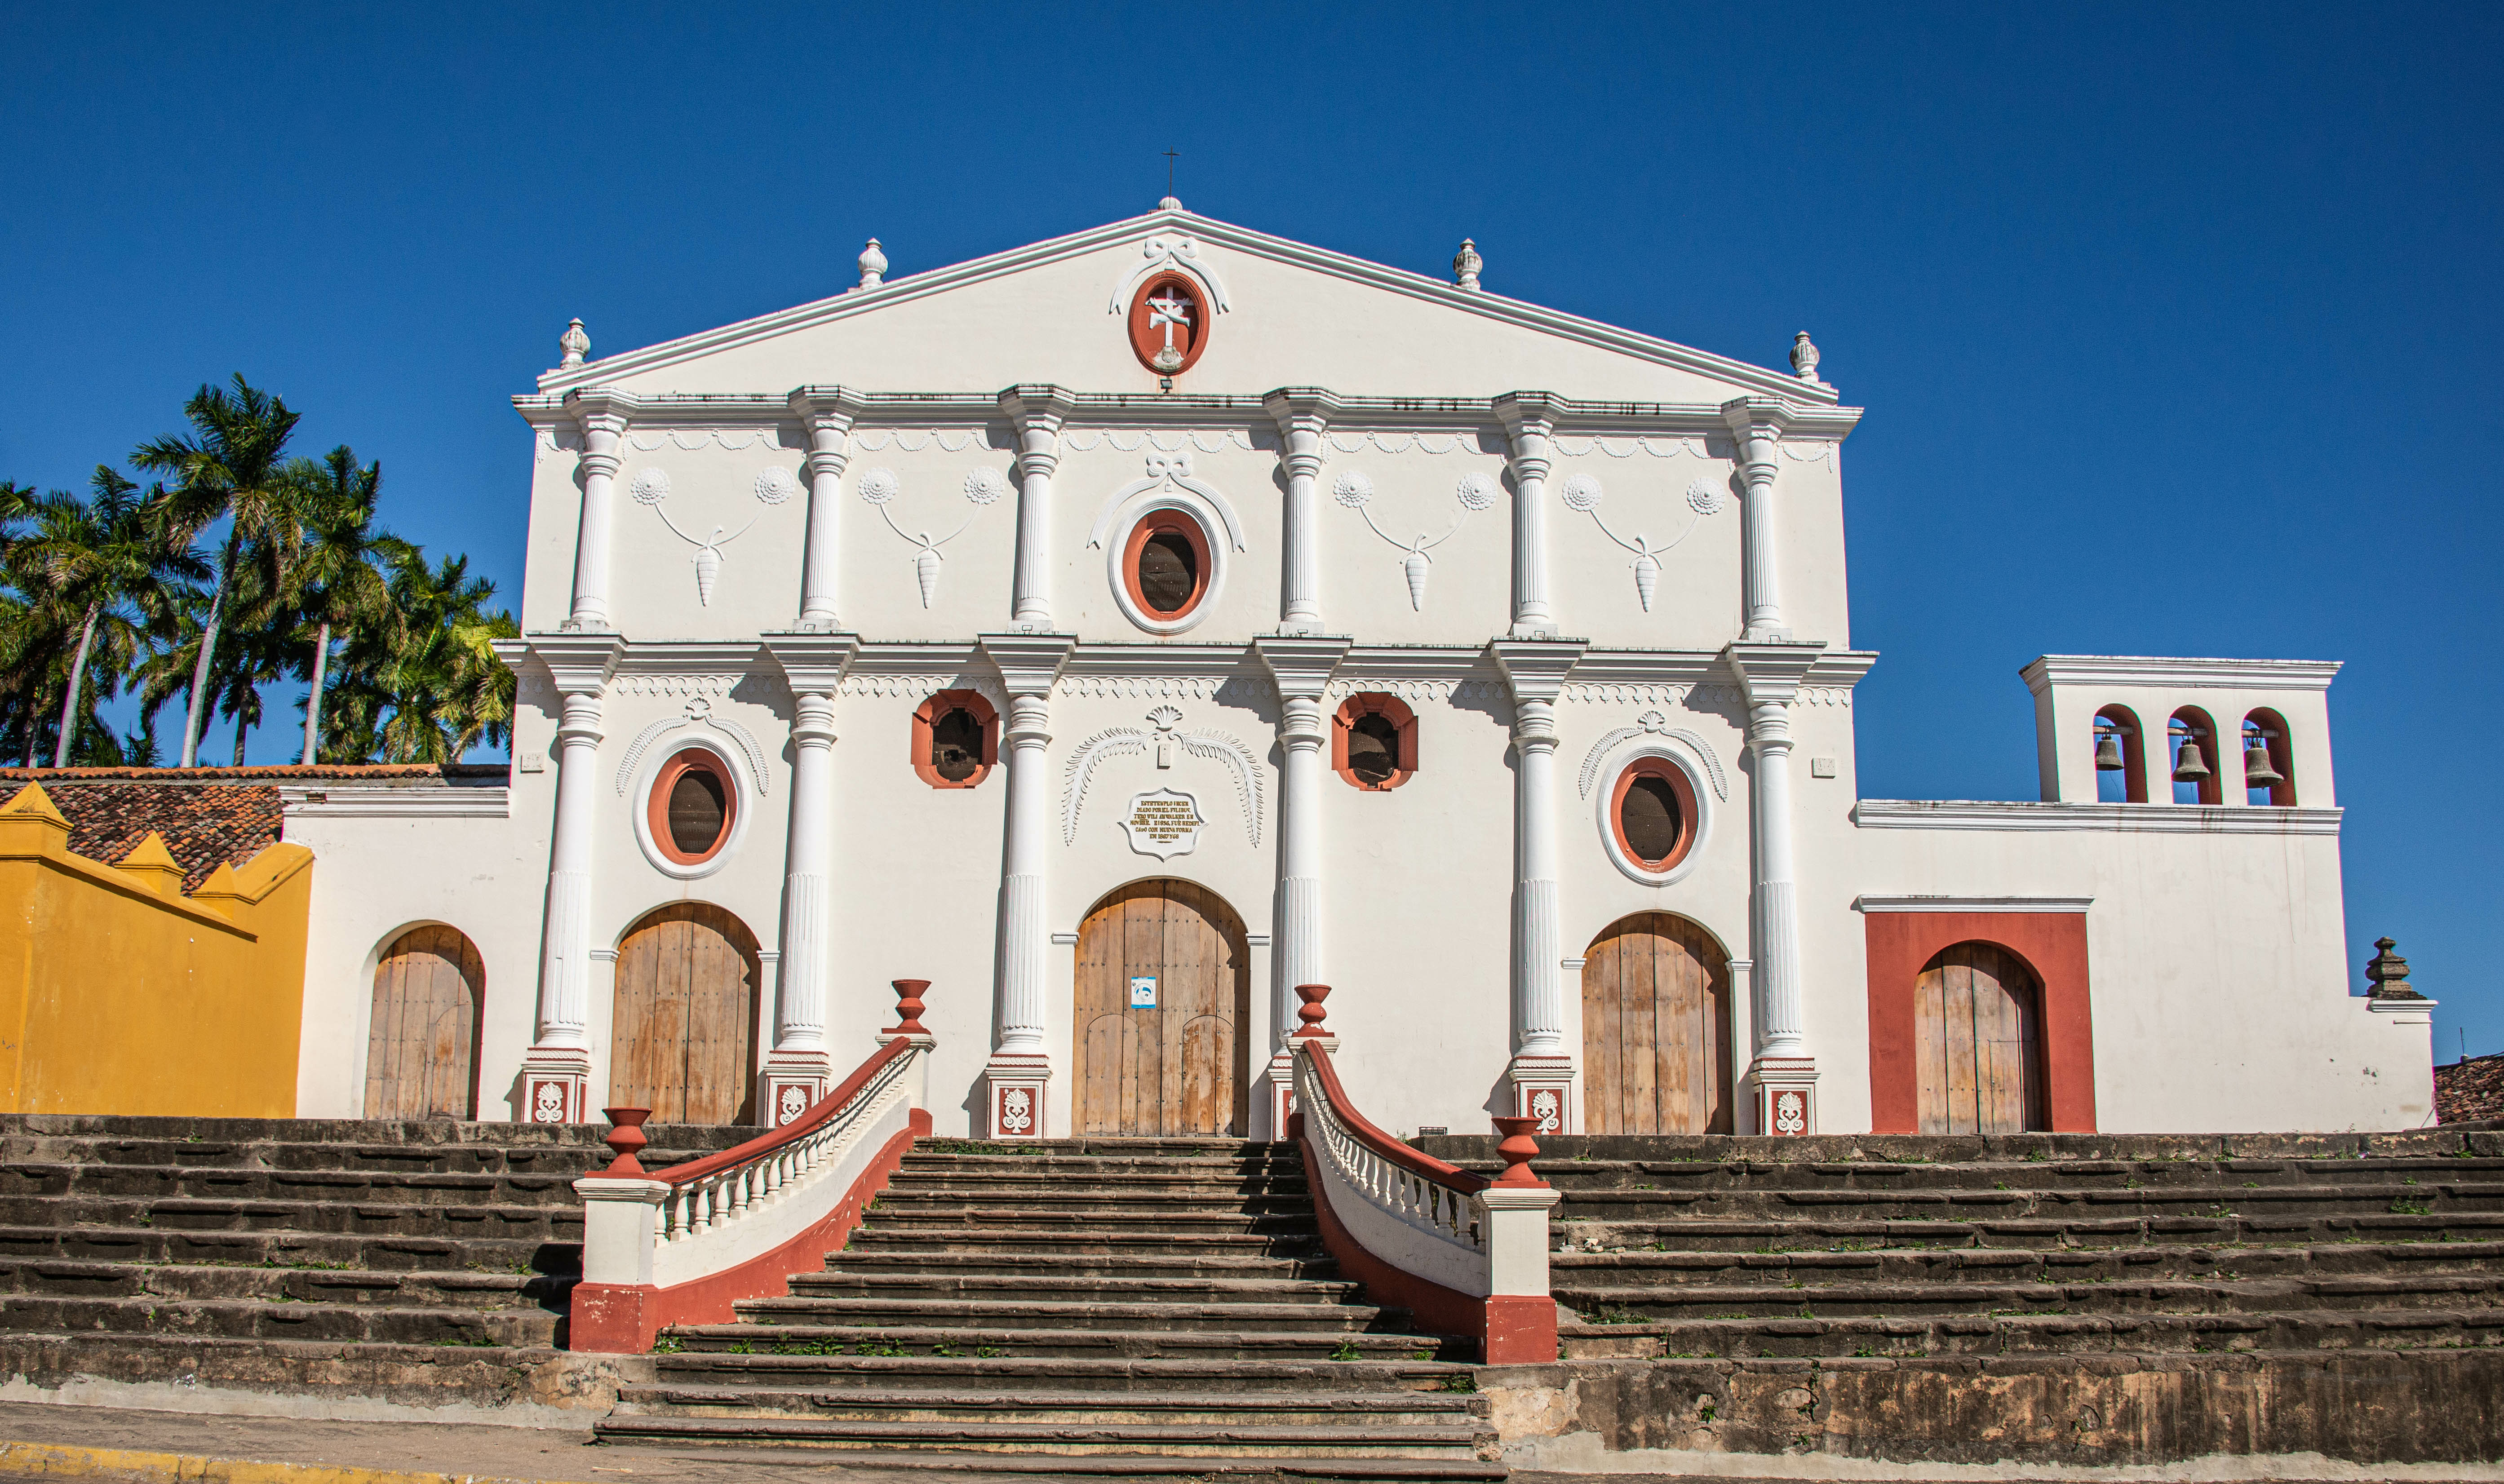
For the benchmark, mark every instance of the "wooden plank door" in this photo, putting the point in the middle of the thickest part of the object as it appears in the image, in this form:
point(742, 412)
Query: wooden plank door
point(1656, 1029)
point(421, 1050)
point(1978, 1037)
point(683, 1040)
point(1174, 1069)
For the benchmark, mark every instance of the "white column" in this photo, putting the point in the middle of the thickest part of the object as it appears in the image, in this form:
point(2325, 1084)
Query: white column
point(1785, 1071)
point(1020, 1065)
point(1542, 1065)
point(1529, 421)
point(800, 1068)
point(556, 1071)
point(1757, 427)
point(827, 416)
point(1302, 668)
point(1036, 413)
point(1302, 414)
point(602, 417)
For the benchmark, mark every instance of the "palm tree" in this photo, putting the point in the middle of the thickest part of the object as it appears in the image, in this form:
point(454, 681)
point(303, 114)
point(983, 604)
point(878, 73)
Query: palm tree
point(229, 468)
point(445, 689)
point(96, 559)
point(338, 584)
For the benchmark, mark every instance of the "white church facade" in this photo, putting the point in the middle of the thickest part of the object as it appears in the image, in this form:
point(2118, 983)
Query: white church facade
point(1121, 630)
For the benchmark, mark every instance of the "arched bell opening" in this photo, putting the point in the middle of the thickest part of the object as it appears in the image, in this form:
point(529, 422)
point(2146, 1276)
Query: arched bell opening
point(2121, 757)
point(2269, 760)
point(2193, 740)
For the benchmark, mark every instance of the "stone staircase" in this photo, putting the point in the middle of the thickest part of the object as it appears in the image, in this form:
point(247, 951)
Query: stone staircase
point(1104, 1306)
point(372, 1259)
point(2037, 1244)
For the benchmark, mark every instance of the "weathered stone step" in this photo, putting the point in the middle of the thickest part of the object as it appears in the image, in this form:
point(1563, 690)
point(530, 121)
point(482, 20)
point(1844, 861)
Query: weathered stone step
point(1182, 1219)
point(1000, 1313)
point(1907, 1299)
point(555, 1222)
point(762, 1366)
point(922, 1238)
point(970, 1341)
point(875, 1463)
point(1166, 1439)
point(1061, 1286)
point(1596, 1177)
point(363, 1323)
point(1583, 1270)
point(281, 1248)
point(189, 1282)
point(158, 1181)
point(913, 1260)
point(1080, 1205)
point(1719, 1234)
point(2205, 1201)
point(1558, 1150)
point(1403, 1408)
point(2036, 1333)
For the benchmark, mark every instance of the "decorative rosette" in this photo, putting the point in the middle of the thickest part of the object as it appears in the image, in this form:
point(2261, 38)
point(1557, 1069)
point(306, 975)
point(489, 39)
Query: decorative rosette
point(1352, 490)
point(878, 486)
point(1583, 493)
point(775, 484)
point(651, 487)
point(985, 485)
point(1476, 491)
point(1704, 497)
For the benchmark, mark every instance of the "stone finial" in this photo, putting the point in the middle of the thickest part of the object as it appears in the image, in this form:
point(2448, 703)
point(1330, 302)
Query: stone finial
point(1467, 264)
point(573, 344)
point(909, 1006)
point(625, 1139)
point(1805, 357)
point(1518, 1148)
point(1311, 1012)
point(1169, 203)
point(873, 266)
point(2390, 972)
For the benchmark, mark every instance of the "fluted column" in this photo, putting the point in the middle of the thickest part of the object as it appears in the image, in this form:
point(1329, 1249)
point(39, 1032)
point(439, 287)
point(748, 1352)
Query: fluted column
point(556, 1071)
point(1302, 413)
point(1302, 668)
point(603, 418)
point(1757, 427)
point(825, 415)
point(1529, 422)
point(800, 1068)
point(1542, 1065)
point(1036, 413)
point(1021, 1066)
point(1783, 1076)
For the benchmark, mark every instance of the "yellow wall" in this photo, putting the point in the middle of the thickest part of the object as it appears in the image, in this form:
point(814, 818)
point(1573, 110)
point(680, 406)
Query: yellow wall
point(118, 994)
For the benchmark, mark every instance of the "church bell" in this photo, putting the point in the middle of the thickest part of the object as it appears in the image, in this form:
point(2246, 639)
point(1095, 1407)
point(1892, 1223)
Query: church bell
point(2108, 752)
point(2257, 772)
point(2189, 767)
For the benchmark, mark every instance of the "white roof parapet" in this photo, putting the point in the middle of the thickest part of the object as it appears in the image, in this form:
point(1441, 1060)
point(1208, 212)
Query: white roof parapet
point(2156, 670)
point(2115, 818)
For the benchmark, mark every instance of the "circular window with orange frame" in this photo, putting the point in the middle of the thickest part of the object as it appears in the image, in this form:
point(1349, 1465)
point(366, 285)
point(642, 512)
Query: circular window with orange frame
point(692, 807)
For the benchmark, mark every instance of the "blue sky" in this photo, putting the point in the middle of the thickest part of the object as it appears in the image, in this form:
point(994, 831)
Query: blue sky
point(2177, 327)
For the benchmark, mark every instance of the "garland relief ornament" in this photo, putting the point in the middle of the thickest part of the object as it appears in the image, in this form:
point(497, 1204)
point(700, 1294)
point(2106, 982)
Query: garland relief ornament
point(1582, 492)
point(879, 487)
point(650, 486)
point(1476, 492)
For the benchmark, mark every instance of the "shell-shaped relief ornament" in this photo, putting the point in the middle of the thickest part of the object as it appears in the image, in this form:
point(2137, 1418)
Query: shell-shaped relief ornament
point(1415, 568)
point(1646, 577)
point(925, 571)
point(1581, 492)
point(878, 486)
point(984, 486)
point(1704, 497)
point(1476, 491)
point(1352, 489)
point(650, 486)
point(775, 484)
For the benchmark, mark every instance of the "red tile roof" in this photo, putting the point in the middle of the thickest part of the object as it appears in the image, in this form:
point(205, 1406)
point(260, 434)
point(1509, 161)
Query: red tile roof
point(2470, 1089)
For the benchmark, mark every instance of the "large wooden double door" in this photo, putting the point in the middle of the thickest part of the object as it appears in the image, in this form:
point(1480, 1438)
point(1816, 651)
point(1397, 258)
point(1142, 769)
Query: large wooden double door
point(1977, 1034)
point(421, 1050)
point(1655, 1028)
point(1174, 1066)
point(682, 1042)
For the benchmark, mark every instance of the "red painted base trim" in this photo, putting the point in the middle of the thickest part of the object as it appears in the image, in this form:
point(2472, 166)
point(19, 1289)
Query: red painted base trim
point(2054, 944)
point(1514, 1330)
point(624, 1319)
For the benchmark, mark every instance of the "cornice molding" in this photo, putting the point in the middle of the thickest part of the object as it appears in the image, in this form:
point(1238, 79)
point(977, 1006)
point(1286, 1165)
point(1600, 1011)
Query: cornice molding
point(813, 664)
point(1772, 673)
point(2159, 670)
point(1300, 665)
point(685, 657)
point(1761, 380)
point(1028, 662)
point(334, 802)
point(1941, 902)
point(1535, 669)
point(2109, 818)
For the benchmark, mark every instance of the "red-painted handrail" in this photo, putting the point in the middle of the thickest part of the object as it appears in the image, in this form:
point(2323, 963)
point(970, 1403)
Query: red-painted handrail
point(826, 1107)
point(1450, 1177)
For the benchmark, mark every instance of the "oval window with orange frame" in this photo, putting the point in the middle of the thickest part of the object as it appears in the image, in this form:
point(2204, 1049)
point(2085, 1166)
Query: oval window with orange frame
point(1653, 812)
point(1165, 565)
point(1168, 322)
point(692, 807)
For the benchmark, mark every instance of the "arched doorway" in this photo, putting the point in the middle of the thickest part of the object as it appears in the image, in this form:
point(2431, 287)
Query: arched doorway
point(1173, 1066)
point(682, 1042)
point(1655, 1028)
point(421, 1050)
point(1978, 1042)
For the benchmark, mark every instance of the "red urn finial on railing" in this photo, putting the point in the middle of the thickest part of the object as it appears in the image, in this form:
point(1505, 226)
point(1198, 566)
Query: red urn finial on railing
point(1311, 1012)
point(908, 1008)
point(626, 1139)
point(1516, 1144)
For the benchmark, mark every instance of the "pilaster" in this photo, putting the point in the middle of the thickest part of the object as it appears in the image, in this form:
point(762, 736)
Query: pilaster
point(556, 1071)
point(1783, 1075)
point(1019, 1066)
point(1530, 423)
point(826, 415)
point(1303, 414)
point(603, 416)
point(1302, 666)
point(1541, 1070)
point(1757, 425)
point(1037, 413)
point(799, 1070)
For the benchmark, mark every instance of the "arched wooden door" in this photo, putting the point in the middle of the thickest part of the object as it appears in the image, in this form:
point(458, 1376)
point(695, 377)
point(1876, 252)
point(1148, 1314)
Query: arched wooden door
point(1655, 1028)
point(1977, 1032)
point(682, 1043)
point(422, 1050)
point(1176, 1066)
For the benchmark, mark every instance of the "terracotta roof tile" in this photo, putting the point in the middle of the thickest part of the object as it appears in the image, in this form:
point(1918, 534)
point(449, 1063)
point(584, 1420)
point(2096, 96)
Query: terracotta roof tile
point(2470, 1090)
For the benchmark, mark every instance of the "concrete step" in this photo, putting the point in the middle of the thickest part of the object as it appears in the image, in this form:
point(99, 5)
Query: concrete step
point(764, 1366)
point(158, 1181)
point(2162, 1296)
point(991, 1403)
point(1255, 1470)
point(241, 1319)
point(183, 1282)
point(996, 1341)
point(1163, 1439)
point(1057, 1285)
point(1808, 1233)
point(1580, 1271)
point(464, 1221)
point(1002, 1313)
point(281, 1247)
point(912, 1259)
point(2036, 1333)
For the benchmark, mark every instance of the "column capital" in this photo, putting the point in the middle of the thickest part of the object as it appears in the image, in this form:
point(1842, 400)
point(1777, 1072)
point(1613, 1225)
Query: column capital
point(1028, 662)
point(830, 406)
point(1301, 663)
point(1302, 413)
point(1528, 414)
point(1037, 409)
point(601, 410)
point(813, 663)
point(1771, 672)
point(1534, 667)
point(579, 662)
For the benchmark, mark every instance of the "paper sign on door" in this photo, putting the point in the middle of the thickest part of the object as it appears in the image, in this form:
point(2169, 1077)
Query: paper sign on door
point(1143, 992)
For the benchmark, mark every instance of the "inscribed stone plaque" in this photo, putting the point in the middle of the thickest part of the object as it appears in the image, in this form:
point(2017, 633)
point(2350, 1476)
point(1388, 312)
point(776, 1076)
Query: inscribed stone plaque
point(1164, 824)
